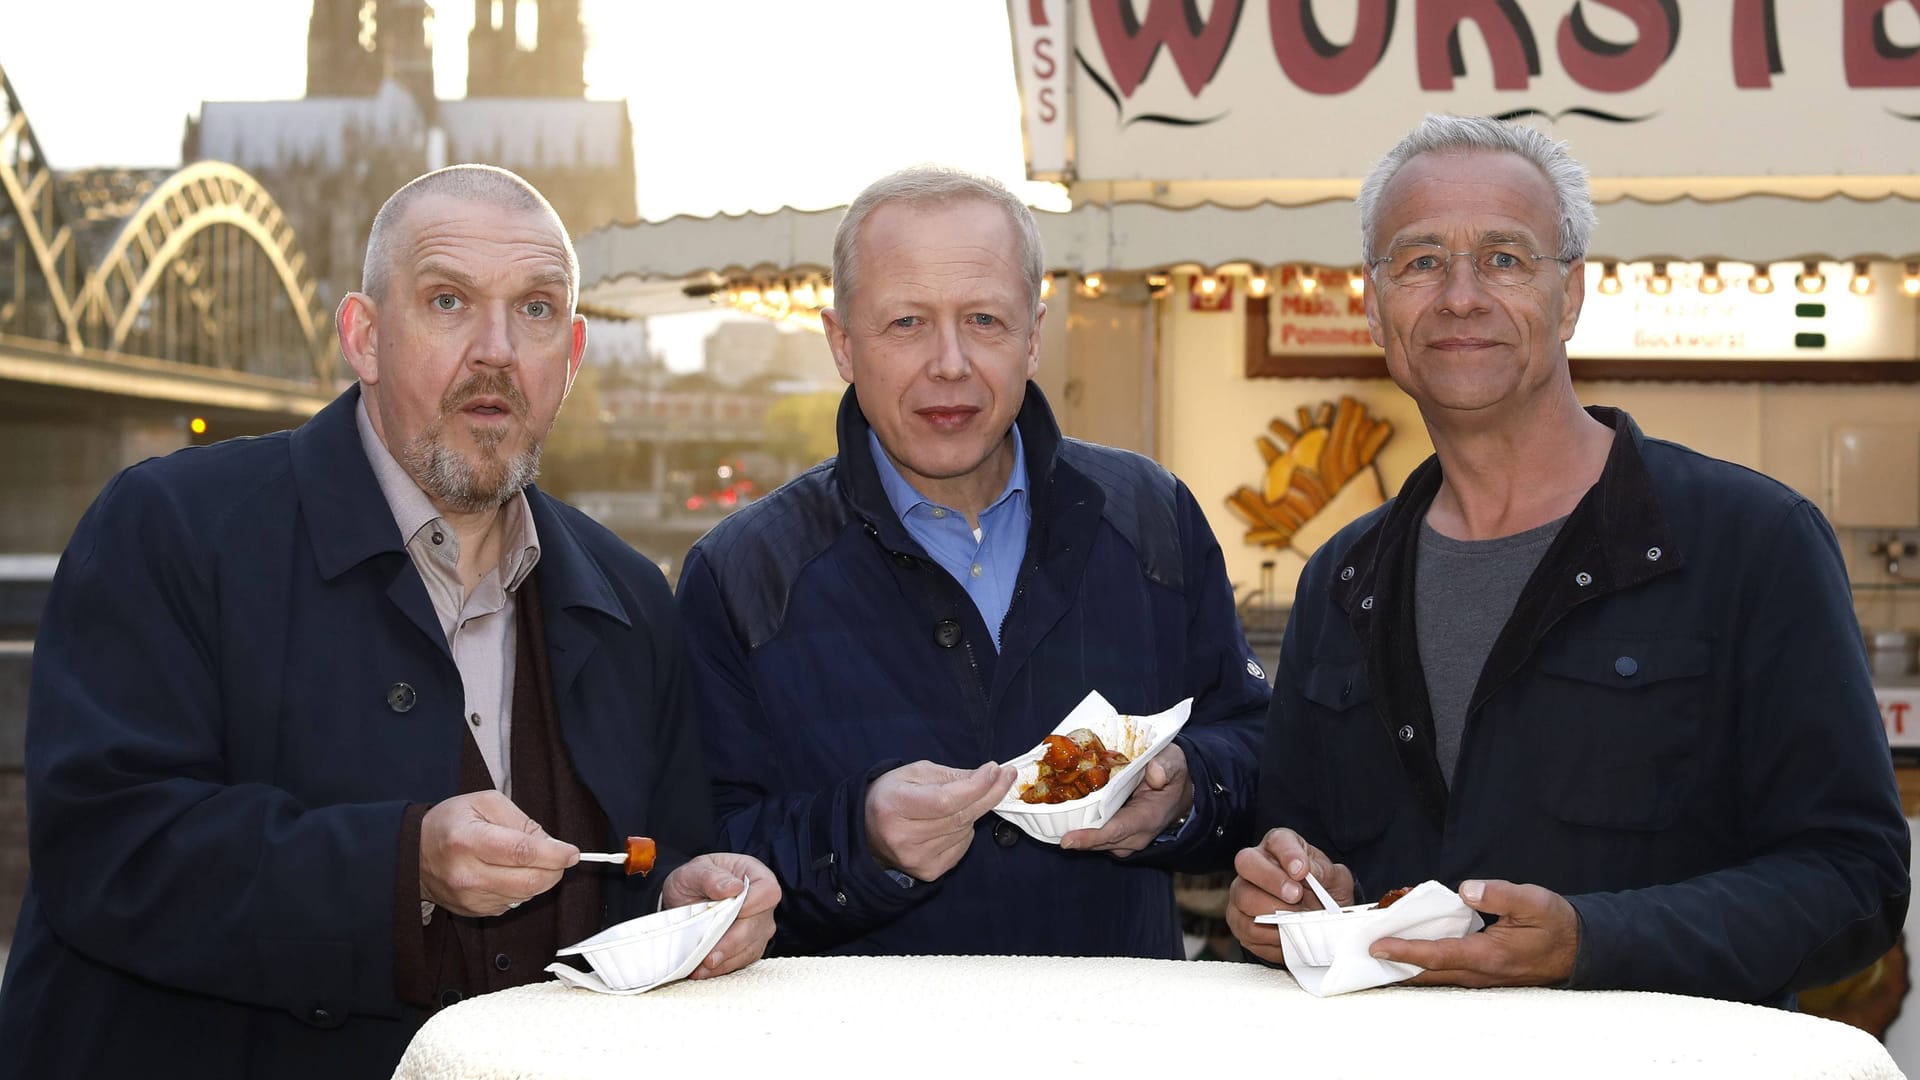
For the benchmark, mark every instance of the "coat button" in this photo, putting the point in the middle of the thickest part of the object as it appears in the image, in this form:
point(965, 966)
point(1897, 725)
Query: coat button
point(502, 962)
point(1219, 788)
point(1405, 732)
point(840, 898)
point(1346, 573)
point(320, 1017)
point(449, 998)
point(400, 697)
point(901, 558)
point(1583, 579)
point(946, 633)
point(1367, 604)
point(1653, 554)
point(1347, 690)
point(1626, 666)
point(1005, 834)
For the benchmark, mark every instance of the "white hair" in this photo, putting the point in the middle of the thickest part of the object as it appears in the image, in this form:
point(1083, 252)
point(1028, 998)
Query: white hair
point(1480, 134)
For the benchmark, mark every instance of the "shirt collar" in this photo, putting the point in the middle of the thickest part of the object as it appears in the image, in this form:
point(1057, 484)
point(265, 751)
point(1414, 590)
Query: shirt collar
point(905, 499)
point(414, 512)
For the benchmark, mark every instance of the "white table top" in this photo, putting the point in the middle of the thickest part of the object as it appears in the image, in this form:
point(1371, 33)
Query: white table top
point(1006, 1017)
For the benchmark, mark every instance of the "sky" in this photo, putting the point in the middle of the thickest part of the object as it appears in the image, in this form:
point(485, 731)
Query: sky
point(737, 104)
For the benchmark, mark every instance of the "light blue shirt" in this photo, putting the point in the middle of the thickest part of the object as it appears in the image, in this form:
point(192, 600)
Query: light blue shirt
point(987, 565)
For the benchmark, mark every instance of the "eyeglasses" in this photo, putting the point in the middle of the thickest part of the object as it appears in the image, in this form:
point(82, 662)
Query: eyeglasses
point(1418, 266)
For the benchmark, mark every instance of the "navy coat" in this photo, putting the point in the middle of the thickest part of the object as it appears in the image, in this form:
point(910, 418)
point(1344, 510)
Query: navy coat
point(1675, 730)
point(216, 771)
point(828, 648)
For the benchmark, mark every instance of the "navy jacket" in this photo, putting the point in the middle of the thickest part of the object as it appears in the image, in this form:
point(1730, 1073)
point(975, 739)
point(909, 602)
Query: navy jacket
point(1675, 729)
point(827, 649)
point(216, 776)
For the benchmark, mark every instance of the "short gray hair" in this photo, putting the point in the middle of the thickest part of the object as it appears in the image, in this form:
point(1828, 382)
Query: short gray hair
point(1480, 134)
point(932, 185)
point(474, 183)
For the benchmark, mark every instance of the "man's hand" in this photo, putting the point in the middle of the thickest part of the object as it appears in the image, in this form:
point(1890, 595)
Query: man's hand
point(480, 855)
point(1272, 877)
point(1165, 793)
point(1533, 944)
point(718, 877)
point(920, 816)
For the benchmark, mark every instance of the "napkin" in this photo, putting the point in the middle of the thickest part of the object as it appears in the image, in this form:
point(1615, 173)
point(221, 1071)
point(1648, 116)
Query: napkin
point(1431, 912)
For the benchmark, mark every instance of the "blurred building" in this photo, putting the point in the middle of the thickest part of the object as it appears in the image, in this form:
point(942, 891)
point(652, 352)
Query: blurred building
point(370, 122)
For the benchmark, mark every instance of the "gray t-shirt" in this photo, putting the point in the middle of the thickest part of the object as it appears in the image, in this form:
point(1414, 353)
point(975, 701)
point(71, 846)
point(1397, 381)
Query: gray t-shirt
point(1464, 592)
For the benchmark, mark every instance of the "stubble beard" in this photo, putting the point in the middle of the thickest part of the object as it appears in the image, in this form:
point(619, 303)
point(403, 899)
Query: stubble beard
point(464, 485)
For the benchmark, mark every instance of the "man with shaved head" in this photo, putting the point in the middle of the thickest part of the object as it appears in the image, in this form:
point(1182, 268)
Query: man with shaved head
point(321, 722)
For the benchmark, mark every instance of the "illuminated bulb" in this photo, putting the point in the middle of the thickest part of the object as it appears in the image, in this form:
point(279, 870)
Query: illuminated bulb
point(1257, 285)
point(1309, 282)
point(1159, 282)
point(1046, 286)
point(776, 295)
point(1911, 283)
point(1810, 280)
point(1092, 285)
point(826, 296)
point(1659, 284)
point(1357, 283)
point(750, 296)
point(1861, 284)
point(1761, 283)
point(1610, 278)
point(198, 425)
point(1711, 283)
point(1209, 285)
point(803, 294)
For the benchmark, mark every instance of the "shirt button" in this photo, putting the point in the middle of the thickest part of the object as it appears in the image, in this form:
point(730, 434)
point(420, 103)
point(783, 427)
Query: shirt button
point(439, 537)
point(1583, 579)
point(1406, 732)
point(449, 998)
point(1626, 666)
point(976, 570)
point(939, 513)
point(474, 719)
point(400, 697)
point(840, 898)
point(1005, 834)
point(946, 633)
point(502, 962)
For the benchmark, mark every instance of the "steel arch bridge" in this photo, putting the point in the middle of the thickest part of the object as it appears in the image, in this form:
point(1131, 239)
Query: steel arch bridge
point(205, 272)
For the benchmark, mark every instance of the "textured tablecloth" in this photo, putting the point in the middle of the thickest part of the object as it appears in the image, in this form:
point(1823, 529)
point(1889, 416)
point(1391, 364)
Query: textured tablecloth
point(1001, 1018)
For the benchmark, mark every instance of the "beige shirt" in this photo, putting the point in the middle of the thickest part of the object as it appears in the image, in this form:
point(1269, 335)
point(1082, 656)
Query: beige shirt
point(479, 626)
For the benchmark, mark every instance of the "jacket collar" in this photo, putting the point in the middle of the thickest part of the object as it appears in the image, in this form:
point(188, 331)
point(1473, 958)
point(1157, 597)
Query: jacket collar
point(858, 477)
point(1621, 515)
point(348, 520)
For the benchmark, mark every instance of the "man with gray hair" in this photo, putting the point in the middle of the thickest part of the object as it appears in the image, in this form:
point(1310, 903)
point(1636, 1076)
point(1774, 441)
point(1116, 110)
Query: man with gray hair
point(321, 721)
point(872, 638)
point(1609, 688)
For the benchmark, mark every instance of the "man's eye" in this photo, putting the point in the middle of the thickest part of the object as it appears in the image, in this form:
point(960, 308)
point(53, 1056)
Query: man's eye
point(1500, 260)
point(906, 321)
point(446, 302)
point(981, 318)
point(1423, 262)
point(539, 309)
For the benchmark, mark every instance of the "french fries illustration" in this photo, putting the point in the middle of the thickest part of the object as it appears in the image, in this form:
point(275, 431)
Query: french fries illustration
point(1310, 468)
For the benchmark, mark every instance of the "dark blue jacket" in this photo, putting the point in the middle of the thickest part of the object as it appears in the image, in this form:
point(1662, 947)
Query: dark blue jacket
point(216, 778)
point(1675, 729)
point(828, 648)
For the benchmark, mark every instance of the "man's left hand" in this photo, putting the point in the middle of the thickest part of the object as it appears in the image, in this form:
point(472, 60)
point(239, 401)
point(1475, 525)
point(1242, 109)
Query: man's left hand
point(718, 877)
point(1165, 793)
point(1533, 944)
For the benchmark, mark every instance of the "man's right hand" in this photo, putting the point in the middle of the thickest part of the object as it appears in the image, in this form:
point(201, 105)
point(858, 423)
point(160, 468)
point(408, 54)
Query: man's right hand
point(920, 816)
point(1272, 877)
point(480, 855)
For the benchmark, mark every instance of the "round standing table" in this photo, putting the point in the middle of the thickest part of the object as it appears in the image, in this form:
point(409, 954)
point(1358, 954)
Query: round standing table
point(1001, 1018)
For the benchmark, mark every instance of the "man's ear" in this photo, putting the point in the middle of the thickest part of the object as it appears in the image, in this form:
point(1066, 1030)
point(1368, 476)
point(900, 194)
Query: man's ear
point(837, 341)
point(579, 350)
point(1033, 340)
point(1576, 297)
point(359, 340)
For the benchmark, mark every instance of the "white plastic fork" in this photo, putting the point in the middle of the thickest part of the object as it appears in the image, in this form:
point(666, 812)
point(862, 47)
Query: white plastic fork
point(1319, 890)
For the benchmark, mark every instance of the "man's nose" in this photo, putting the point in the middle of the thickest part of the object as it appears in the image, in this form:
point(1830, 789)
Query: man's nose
point(950, 357)
point(492, 344)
